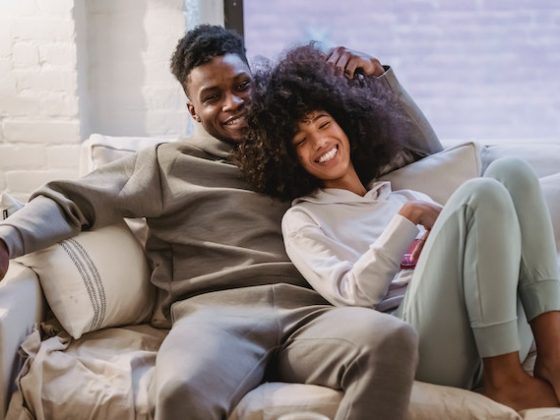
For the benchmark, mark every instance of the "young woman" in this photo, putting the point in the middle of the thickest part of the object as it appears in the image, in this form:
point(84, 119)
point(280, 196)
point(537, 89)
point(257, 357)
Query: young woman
point(486, 281)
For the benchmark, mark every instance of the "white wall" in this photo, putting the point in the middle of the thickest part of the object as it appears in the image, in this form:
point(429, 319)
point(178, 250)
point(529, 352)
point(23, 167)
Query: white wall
point(131, 88)
point(39, 111)
point(69, 68)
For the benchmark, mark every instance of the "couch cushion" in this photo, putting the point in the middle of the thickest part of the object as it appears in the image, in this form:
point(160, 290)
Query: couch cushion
point(440, 174)
point(428, 402)
point(273, 399)
point(95, 280)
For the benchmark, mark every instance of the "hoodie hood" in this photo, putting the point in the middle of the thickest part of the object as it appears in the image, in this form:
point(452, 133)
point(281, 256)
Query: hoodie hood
point(211, 145)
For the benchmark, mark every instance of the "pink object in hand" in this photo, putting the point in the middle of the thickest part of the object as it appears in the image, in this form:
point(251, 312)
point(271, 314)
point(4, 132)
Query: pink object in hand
point(410, 257)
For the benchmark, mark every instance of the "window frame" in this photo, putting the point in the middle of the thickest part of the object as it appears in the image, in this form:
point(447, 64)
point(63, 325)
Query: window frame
point(233, 16)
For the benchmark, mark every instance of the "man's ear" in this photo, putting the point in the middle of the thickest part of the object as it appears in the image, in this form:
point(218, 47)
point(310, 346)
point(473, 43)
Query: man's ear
point(192, 111)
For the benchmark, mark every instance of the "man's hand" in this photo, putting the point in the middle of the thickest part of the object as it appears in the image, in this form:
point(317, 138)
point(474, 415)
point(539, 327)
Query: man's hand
point(421, 213)
point(347, 61)
point(4, 259)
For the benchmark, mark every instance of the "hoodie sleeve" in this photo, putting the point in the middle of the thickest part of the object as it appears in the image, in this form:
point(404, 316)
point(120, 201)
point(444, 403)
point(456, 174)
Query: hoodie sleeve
point(331, 267)
point(129, 187)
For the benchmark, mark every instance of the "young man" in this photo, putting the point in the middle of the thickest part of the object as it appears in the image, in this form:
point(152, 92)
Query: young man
point(237, 308)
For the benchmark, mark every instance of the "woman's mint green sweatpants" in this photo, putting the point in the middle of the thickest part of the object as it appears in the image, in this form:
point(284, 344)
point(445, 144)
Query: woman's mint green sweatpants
point(488, 266)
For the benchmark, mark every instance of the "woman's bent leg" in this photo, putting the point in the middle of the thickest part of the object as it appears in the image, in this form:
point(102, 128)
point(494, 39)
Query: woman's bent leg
point(463, 295)
point(466, 265)
point(539, 287)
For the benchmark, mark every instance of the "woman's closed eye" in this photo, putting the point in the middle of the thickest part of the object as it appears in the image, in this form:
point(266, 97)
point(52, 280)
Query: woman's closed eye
point(299, 142)
point(243, 86)
point(324, 122)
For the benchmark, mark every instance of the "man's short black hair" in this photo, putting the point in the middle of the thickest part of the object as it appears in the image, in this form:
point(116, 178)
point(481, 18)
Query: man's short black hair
point(202, 44)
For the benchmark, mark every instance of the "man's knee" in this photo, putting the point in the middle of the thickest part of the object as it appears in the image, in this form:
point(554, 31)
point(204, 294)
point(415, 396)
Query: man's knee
point(180, 398)
point(387, 340)
point(399, 345)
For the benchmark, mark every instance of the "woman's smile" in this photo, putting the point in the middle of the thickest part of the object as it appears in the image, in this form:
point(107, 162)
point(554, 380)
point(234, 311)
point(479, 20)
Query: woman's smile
point(326, 157)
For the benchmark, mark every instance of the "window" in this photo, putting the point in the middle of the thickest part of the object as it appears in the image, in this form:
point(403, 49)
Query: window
point(482, 70)
point(233, 15)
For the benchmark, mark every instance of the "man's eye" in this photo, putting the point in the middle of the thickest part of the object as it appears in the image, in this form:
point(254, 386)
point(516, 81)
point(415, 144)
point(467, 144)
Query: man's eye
point(210, 98)
point(324, 124)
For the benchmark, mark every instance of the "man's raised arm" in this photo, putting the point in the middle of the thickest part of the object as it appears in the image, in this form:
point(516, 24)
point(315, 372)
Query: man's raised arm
point(415, 133)
point(129, 187)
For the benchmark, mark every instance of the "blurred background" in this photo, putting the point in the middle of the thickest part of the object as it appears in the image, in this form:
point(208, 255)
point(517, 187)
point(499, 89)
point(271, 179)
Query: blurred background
point(477, 68)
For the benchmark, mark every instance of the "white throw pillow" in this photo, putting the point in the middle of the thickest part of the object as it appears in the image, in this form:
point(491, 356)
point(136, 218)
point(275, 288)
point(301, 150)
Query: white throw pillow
point(94, 280)
point(440, 174)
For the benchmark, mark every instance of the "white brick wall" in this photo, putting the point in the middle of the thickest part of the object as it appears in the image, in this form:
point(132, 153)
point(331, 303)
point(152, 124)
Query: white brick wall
point(69, 68)
point(38, 96)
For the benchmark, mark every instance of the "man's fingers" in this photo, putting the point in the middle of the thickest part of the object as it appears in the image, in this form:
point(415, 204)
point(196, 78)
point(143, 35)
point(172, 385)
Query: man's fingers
point(338, 58)
point(347, 62)
point(342, 63)
point(333, 56)
point(354, 64)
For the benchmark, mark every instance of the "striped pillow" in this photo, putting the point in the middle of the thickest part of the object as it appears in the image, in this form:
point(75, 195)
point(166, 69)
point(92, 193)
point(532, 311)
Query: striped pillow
point(95, 280)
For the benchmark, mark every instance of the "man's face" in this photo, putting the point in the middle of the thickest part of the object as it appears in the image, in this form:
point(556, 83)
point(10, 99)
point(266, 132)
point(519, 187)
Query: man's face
point(219, 93)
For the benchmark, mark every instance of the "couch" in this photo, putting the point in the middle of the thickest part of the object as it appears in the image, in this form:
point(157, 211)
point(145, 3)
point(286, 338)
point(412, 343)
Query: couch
point(58, 361)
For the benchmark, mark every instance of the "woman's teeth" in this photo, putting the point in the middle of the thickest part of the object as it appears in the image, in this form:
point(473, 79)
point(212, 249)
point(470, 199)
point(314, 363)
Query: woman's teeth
point(328, 156)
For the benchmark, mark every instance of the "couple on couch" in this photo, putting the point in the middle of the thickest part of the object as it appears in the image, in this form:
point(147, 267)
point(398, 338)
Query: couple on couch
point(320, 128)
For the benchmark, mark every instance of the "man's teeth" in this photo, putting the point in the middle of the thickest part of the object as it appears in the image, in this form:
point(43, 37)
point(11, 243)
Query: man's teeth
point(329, 155)
point(233, 121)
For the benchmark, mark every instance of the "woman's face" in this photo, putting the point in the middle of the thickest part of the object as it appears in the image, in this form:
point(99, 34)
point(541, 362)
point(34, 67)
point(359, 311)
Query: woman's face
point(323, 148)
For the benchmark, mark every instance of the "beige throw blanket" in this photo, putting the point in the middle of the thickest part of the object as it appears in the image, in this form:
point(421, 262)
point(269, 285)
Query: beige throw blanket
point(103, 375)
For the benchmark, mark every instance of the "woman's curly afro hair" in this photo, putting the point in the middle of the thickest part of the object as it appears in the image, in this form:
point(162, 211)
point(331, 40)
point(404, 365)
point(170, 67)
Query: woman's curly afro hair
point(300, 83)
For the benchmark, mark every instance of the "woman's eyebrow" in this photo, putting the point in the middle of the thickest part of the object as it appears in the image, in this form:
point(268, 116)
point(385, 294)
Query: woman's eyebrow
point(313, 117)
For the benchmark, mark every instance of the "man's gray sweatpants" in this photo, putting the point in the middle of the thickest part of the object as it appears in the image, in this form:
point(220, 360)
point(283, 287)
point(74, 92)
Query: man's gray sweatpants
point(224, 344)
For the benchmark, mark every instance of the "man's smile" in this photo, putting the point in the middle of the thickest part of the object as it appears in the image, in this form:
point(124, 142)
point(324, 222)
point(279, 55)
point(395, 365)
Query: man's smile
point(237, 120)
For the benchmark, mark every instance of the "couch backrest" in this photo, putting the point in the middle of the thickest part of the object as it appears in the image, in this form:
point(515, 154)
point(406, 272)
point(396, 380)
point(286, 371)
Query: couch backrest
point(99, 149)
point(543, 156)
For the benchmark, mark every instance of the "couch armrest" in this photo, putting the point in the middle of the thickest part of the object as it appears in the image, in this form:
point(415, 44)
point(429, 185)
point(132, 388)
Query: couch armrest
point(21, 306)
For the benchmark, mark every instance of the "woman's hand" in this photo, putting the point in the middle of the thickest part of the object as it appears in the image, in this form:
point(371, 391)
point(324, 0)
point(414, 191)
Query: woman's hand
point(421, 212)
point(4, 259)
point(348, 61)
